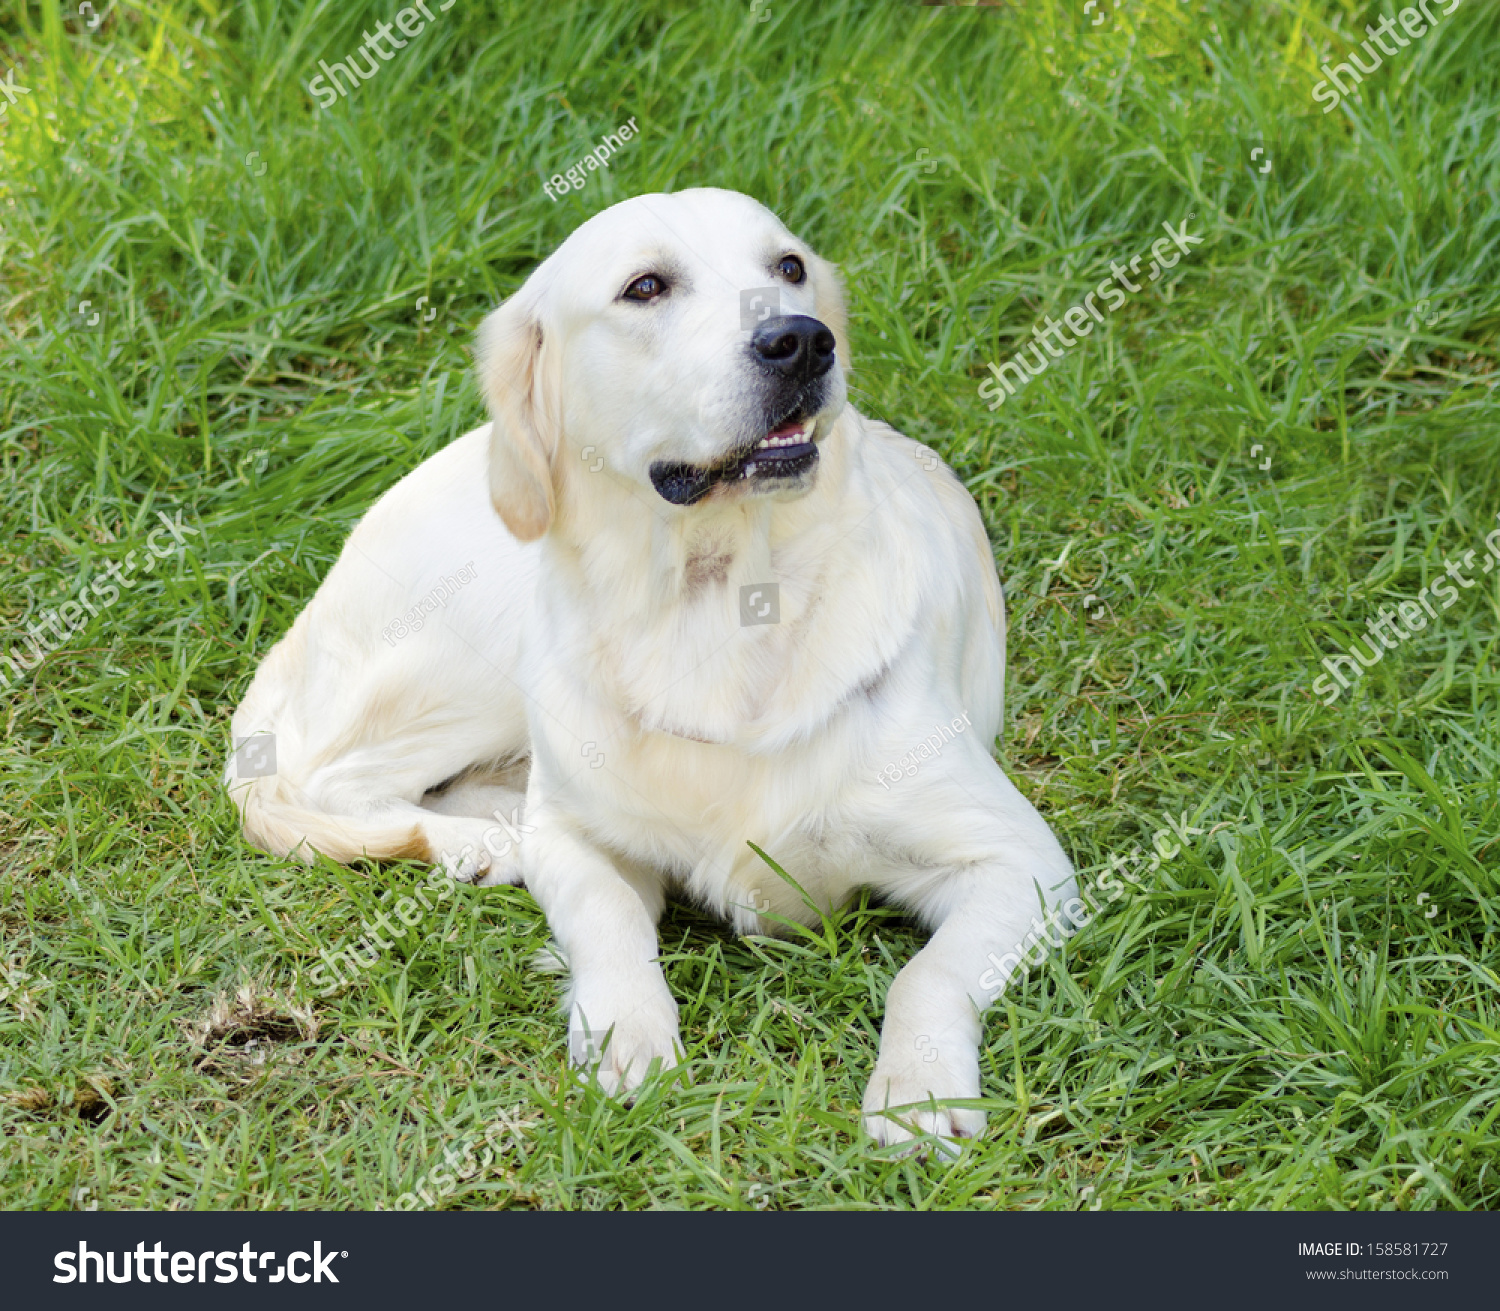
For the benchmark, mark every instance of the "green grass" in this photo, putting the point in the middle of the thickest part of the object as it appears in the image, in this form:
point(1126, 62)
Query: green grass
point(1278, 1019)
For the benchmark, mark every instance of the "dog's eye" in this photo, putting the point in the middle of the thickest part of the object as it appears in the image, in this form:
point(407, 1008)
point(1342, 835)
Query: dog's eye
point(791, 269)
point(648, 287)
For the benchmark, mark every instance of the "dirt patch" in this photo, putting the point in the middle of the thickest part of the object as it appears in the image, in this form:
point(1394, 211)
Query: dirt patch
point(245, 1028)
point(90, 1102)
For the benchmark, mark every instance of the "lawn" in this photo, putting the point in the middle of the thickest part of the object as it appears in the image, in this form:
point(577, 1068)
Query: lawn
point(1292, 431)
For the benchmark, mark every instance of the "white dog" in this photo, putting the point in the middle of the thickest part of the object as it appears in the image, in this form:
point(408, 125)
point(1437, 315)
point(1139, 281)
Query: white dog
point(715, 604)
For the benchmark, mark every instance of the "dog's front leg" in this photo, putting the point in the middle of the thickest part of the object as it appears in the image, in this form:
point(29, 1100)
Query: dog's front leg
point(988, 920)
point(621, 1017)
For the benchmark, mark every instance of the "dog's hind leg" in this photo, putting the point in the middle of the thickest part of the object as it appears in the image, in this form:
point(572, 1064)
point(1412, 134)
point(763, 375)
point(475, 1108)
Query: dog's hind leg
point(372, 801)
point(482, 795)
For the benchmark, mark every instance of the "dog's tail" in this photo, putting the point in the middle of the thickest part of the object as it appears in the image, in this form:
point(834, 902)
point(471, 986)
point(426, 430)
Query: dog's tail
point(278, 821)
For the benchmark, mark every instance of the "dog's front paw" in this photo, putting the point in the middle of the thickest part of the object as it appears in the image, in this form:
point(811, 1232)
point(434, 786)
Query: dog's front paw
point(620, 1044)
point(898, 1105)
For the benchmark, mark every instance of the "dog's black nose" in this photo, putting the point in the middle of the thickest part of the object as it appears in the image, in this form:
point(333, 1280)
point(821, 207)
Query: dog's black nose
point(795, 346)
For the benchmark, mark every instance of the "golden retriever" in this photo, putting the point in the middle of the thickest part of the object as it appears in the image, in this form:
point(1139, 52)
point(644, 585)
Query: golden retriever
point(677, 596)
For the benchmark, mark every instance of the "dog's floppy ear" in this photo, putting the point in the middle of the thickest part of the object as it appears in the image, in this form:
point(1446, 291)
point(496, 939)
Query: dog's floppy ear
point(517, 372)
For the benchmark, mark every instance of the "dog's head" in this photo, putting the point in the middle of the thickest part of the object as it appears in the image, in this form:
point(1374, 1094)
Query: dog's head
point(686, 342)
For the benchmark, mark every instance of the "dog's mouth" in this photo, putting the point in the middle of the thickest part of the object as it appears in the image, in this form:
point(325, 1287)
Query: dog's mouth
point(785, 454)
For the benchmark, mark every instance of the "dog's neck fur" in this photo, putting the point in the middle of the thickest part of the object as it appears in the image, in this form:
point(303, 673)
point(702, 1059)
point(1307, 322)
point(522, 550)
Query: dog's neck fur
point(728, 681)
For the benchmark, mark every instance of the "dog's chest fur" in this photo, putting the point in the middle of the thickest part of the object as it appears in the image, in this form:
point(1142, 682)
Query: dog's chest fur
point(692, 810)
point(708, 724)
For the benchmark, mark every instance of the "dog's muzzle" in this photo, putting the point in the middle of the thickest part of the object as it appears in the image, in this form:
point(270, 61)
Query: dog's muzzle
point(796, 351)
